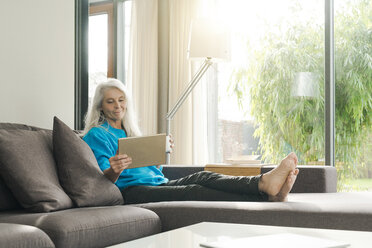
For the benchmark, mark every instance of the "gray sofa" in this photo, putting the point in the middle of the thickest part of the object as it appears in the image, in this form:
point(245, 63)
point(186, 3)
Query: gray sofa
point(313, 203)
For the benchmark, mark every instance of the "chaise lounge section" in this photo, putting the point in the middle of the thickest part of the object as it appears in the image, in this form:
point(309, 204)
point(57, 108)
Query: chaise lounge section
point(313, 203)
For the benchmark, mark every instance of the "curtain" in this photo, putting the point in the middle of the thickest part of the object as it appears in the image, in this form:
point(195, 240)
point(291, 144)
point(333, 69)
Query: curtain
point(189, 124)
point(200, 101)
point(142, 75)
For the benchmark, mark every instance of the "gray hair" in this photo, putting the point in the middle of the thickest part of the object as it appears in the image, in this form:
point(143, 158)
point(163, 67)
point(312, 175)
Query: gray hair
point(95, 117)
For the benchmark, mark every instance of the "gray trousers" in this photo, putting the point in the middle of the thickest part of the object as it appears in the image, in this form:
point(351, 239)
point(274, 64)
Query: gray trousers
point(200, 186)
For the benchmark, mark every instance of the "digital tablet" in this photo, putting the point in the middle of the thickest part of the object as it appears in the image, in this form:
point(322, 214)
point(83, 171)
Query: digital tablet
point(144, 150)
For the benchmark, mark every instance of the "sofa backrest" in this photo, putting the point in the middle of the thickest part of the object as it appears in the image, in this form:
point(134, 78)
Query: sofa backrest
point(15, 126)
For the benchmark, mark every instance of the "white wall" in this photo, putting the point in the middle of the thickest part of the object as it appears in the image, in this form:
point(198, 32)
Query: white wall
point(37, 61)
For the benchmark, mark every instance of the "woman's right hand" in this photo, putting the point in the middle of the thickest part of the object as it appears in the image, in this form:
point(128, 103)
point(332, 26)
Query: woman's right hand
point(120, 162)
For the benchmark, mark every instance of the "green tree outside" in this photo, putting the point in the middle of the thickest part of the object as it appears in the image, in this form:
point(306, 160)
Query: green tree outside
point(287, 123)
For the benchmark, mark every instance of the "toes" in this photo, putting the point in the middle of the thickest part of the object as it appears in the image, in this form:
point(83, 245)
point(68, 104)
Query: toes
point(293, 156)
point(294, 172)
point(290, 178)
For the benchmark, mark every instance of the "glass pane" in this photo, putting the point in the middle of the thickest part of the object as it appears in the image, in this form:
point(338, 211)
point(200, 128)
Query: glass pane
point(353, 63)
point(127, 25)
point(98, 45)
point(271, 94)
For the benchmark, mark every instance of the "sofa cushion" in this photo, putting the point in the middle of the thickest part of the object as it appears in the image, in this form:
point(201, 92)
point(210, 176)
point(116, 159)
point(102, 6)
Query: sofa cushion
point(79, 172)
point(91, 226)
point(7, 200)
point(346, 211)
point(15, 235)
point(28, 169)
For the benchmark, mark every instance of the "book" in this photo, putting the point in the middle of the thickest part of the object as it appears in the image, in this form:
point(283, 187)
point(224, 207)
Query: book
point(280, 240)
point(235, 170)
point(222, 165)
point(144, 150)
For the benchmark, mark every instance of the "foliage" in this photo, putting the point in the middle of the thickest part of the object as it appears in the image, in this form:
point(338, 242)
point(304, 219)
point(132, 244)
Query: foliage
point(287, 123)
point(363, 184)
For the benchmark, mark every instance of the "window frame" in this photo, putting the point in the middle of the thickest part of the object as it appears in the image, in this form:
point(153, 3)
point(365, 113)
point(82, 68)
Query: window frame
point(329, 83)
point(81, 56)
point(81, 62)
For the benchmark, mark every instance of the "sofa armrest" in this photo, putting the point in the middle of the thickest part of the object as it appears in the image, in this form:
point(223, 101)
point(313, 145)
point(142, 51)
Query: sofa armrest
point(312, 178)
point(17, 235)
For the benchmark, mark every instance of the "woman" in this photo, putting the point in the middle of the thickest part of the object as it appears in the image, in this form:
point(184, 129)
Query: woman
point(111, 117)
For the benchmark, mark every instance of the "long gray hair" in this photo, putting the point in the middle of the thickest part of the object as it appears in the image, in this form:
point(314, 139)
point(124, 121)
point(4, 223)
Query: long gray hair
point(95, 116)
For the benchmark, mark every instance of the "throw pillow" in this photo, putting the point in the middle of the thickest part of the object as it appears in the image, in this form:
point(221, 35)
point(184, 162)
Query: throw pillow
point(28, 169)
point(79, 172)
point(7, 200)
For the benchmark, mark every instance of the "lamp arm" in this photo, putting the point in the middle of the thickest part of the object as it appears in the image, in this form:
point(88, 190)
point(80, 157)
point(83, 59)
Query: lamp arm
point(194, 81)
point(204, 67)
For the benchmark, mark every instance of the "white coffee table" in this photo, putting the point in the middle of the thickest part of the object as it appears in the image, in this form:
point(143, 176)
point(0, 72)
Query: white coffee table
point(192, 236)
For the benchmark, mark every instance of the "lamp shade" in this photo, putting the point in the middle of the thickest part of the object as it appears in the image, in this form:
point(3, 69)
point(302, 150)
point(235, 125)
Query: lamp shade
point(209, 39)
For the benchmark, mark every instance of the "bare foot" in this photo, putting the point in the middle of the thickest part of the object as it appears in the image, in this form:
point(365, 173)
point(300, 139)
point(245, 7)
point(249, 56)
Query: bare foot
point(282, 196)
point(272, 182)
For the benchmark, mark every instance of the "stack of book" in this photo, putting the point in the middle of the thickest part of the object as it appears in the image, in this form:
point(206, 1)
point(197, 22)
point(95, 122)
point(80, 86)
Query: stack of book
point(244, 165)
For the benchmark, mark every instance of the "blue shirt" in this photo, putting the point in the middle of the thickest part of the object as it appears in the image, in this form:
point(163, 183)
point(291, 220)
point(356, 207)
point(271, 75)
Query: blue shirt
point(103, 141)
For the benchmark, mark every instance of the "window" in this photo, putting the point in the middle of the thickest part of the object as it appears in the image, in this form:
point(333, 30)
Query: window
point(127, 10)
point(108, 41)
point(353, 62)
point(101, 47)
point(271, 95)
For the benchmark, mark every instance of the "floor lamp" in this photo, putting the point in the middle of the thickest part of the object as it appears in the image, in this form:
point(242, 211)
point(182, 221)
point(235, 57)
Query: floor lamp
point(208, 41)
